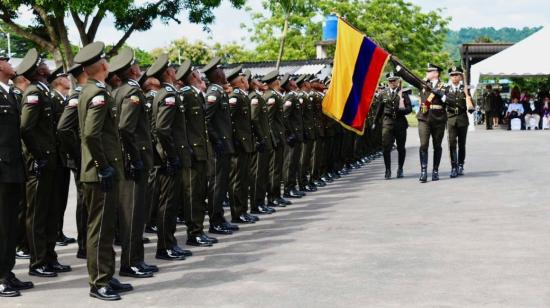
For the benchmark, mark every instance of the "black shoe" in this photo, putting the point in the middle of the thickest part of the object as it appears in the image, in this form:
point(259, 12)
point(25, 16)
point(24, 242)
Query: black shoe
point(135, 272)
point(460, 169)
point(435, 175)
point(230, 226)
point(81, 254)
point(276, 203)
point(285, 201)
point(311, 188)
point(242, 220)
point(148, 267)
point(399, 173)
point(387, 175)
point(22, 254)
point(59, 268)
point(219, 229)
point(198, 241)
point(146, 240)
point(454, 172)
point(269, 210)
point(292, 194)
point(320, 183)
point(63, 240)
point(104, 293)
point(151, 229)
point(169, 254)
point(119, 287)
point(423, 175)
point(18, 284)
point(260, 210)
point(6, 290)
point(212, 240)
point(180, 221)
point(42, 271)
point(181, 251)
point(254, 218)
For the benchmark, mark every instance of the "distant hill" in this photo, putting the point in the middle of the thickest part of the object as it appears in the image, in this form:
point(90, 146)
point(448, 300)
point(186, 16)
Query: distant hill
point(471, 35)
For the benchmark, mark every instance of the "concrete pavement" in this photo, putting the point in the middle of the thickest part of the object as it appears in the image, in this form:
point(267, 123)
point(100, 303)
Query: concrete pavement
point(478, 241)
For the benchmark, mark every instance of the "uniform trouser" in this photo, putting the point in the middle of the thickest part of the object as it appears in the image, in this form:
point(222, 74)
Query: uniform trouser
point(436, 131)
point(317, 159)
point(259, 172)
point(328, 159)
point(42, 218)
point(291, 164)
point(153, 192)
point(100, 255)
point(218, 183)
point(457, 138)
point(305, 162)
point(276, 159)
point(337, 161)
point(391, 134)
point(81, 212)
point(238, 183)
point(9, 208)
point(488, 119)
point(347, 148)
point(131, 218)
point(22, 239)
point(61, 194)
point(195, 188)
point(169, 188)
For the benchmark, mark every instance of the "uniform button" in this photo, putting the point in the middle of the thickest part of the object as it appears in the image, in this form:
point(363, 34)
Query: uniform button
point(116, 159)
point(194, 144)
point(224, 137)
point(182, 146)
point(143, 148)
point(47, 152)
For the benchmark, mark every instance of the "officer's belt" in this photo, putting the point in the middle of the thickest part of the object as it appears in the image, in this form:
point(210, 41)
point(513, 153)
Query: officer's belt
point(437, 107)
point(455, 110)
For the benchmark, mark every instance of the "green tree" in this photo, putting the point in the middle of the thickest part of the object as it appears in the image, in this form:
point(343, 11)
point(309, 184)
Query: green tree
point(48, 30)
point(232, 52)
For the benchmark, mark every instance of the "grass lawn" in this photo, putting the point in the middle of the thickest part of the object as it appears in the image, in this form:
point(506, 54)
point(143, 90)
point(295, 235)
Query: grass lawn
point(411, 118)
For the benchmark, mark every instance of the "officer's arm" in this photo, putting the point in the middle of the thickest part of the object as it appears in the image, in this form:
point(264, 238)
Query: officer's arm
point(32, 106)
point(165, 117)
point(408, 104)
point(93, 129)
point(67, 131)
point(234, 108)
point(212, 101)
point(255, 111)
point(131, 107)
point(287, 113)
point(379, 107)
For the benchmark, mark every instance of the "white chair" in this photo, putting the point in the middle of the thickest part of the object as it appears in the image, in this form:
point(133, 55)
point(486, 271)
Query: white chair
point(515, 124)
point(533, 123)
point(545, 123)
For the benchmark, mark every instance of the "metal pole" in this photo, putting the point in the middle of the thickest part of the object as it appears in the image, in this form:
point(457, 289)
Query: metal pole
point(9, 45)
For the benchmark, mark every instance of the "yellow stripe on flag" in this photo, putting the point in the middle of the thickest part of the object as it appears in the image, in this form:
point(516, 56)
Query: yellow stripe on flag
point(348, 45)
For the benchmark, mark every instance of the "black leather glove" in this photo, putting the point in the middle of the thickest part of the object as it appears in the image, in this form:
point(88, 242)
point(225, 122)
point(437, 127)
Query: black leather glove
point(173, 165)
point(134, 170)
point(291, 140)
point(38, 166)
point(106, 179)
point(438, 93)
point(219, 147)
point(260, 146)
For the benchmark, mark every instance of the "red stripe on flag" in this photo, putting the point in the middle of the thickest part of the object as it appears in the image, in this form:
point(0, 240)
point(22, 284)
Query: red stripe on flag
point(369, 87)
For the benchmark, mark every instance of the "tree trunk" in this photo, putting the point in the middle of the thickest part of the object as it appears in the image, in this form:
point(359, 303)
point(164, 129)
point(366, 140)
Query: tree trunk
point(282, 44)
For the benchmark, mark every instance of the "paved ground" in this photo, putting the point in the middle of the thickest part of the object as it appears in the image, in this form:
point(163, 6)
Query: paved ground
point(481, 240)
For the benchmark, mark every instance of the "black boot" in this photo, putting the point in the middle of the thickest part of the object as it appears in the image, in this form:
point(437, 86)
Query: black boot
point(454, 169)
point(435, 175)
point(387, 163)
point(423, 166)
point(387, 176)
point(437, 160)
point(460, 169)
point(400, 172)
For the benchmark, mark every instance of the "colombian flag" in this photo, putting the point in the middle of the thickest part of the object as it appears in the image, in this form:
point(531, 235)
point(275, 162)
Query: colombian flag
point(358, 65)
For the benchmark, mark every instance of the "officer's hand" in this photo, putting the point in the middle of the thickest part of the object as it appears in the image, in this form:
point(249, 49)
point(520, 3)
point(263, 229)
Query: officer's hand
point(106, 179)
point(291, 140)
point(438, 93)
point(134, 170)
point(173, 164)
point(38, 166)
point(219, 148)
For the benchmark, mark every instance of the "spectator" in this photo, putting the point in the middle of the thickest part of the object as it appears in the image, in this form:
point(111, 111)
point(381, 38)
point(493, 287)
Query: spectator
point(532, 113)
point(515, 111)
point(545, 112)
point(487, 105)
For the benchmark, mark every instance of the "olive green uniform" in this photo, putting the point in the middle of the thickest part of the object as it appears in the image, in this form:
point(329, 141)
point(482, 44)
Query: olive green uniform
point(239, 105)
point(218, 122)
point(457, 123)
point(135, 134)
point(172, 145)
point(153, 192)
point(259, 164)
point(432, 119)
point(274, 101)
point(292, 115)
point(394, 124)
point(320, 140)
point(100, 150)
point(308, 113)
point(12, 175)
point(38, 133)
point(195, 177)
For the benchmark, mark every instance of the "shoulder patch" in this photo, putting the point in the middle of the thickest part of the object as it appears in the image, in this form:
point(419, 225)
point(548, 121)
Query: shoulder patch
point(134, 99)
point(170, 101)
point(271, 101)
point(288, 104)
point(32, 100)
point(301, 100)
point(211, 99)
point(73, 103)
point(98, 100)
point(100, 85)
point(254, 101)
point(233, 101)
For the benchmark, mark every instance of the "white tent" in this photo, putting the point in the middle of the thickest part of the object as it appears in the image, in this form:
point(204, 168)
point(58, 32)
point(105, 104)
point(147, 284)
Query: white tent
point(527, 58)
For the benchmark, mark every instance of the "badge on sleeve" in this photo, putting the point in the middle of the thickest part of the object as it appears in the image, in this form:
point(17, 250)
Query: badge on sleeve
point(271, 101)
point(73, 103)
point(170, 101)
point(134, 99)
point(254, 101)
point(211, 99)
point(32, 100)
point(288, 104)
point(233, 101)
point(98, 100)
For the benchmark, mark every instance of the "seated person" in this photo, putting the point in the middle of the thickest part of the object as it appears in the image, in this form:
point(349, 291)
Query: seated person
point(532, 112)
point(545, 112)
point(515, 111)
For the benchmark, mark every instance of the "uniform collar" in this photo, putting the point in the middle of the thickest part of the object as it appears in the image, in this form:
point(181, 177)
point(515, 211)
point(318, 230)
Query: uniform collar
point(43, 85)
point(5, 87)
point(60, 94)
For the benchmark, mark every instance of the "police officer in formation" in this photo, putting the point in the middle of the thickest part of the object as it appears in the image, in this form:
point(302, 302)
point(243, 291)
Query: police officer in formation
point(146, 147)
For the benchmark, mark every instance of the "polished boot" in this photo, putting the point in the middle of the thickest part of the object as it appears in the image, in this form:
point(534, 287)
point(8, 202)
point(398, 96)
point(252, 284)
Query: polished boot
point(387, 175)
point(460, 169)
point(400, 172)
point(423, 166)
point(437, 160)
point(435, 175)
point(387, 163)
point(104, 293)
point(454, 169)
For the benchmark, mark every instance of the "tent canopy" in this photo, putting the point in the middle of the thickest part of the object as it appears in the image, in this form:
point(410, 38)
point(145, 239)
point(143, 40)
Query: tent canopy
point(527, 58)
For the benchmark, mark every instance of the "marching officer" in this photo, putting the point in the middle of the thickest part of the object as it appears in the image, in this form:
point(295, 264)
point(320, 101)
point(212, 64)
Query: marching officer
point(12, 176)
point(195, 178)
point(135, 136)
point(393, 105)
point(457, 120)
point(218, 123)
point(175, 153)
point(68, 133)
point(239, 106)
point(38, 131)
point(100, 173)
point(432, 119)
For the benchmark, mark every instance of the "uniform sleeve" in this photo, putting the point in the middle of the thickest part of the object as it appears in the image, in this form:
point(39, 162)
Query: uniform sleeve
point(255, 112)
point(131, 108)
point(31, 109)
point(287, 113)
point(235, 103)
point(67, 131)
point(408, 104)
point(166, 113)
point(98, 110)
point(212, 105)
